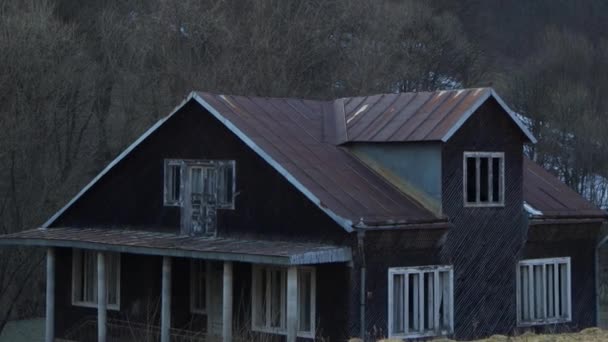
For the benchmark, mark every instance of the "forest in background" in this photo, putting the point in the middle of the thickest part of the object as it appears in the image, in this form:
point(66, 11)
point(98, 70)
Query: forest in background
point(79, 82)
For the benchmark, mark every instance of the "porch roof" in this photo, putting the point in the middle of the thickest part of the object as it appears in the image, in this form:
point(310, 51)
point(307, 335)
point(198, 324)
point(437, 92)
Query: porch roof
point(167, 244)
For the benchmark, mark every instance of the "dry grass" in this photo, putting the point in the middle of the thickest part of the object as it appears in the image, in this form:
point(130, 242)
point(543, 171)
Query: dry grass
point(587, 335)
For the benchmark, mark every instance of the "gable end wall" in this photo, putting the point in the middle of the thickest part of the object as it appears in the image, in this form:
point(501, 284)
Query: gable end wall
point(484, 244)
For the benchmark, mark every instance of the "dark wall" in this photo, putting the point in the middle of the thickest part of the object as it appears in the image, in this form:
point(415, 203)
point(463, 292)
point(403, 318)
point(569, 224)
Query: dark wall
point(140, 287)
point(484, 244)
point(131, 193)
point(383, 250)
point(141, 290)
point(549, 243)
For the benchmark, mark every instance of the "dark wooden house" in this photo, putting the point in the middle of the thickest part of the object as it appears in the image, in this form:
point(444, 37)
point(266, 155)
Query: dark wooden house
point(404, 215)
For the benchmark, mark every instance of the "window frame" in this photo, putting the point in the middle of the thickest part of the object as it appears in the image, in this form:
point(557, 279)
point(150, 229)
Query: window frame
point(184, 171)
point(168, 165)
point(501, 184)
point(532, 291)
point(421, 271)
point(256, 301)
point(76, 274)
point(193, 309)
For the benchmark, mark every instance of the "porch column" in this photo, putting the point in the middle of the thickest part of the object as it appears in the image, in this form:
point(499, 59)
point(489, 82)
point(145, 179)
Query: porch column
point(292, 304)
point(102, 301)
point(50, 295)
point(227, 303)
point(165, 323)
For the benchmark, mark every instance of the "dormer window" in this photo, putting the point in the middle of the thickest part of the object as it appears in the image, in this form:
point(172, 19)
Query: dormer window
point(484, 179)
point(199, 187)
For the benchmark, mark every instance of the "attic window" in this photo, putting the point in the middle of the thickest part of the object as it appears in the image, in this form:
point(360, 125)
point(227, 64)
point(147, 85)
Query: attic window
point(199, 188)
point(484, 181)
point(218, 177)
point(172, 193)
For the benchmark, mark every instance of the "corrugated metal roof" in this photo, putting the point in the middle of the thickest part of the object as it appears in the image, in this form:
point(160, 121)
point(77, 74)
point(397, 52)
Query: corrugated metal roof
point(548, 197)
point(155, 243)
point(423, 116)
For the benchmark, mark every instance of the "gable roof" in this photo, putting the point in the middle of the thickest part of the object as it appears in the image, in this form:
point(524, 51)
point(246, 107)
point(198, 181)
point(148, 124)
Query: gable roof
point(301, 140)
point(549, 198)
point(422, 116)
point(288, 135)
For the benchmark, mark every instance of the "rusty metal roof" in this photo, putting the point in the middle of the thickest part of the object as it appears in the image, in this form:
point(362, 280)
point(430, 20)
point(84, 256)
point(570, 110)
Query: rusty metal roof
point(155, 243)
point(303, 141)
point(289, 135)
point(546, 196)
point(422, 116)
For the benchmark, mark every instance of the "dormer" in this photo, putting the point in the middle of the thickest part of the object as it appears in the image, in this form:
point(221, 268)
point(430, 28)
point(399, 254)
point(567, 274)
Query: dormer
point(407, 138)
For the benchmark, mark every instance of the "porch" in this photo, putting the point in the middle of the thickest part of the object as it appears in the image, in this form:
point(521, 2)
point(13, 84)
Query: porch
point(208, 289)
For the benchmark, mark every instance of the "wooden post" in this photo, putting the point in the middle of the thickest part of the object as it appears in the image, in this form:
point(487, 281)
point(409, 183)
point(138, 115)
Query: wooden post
point(102, 302)
point(165, 324)
point(227, 303)
point(50, 295)
point(292, 304)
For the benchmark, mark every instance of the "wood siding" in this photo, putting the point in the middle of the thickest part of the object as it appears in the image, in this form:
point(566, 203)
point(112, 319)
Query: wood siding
point(581, 251)
point(384, 250)
point(485, 243)
point(141, 288)
point(131, 194)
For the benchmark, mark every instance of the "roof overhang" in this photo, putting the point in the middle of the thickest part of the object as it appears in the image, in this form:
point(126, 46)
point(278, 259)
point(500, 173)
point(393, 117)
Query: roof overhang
point(167, 244)
point(490, 93)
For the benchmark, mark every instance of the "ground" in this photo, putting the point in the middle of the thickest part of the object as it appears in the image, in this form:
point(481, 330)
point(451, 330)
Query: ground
point(587, 335)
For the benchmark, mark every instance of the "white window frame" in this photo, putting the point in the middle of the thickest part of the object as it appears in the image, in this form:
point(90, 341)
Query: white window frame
point(170, 167)
point(183, 165)
point(255, 301)
point(193, 289)
point(528, 293)
point(76, 275)
point(447, 293)
point(501, 182)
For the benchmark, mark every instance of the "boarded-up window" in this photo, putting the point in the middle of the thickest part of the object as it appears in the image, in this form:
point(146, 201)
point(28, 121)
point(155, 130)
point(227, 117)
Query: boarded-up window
point(84, 278)
point(483, 179)
point(214, 177)
point(420, 301)
point(543, 291)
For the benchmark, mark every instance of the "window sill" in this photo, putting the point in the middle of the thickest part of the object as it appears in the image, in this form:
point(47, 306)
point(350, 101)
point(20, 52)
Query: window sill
point(279, 331)
point(432, 333)
point(112, 307)
point(198, 312)
point(484, 205)
point(544, 322)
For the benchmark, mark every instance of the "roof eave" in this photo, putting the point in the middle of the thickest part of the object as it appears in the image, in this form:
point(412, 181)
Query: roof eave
point(482, 99)
point(573, 219)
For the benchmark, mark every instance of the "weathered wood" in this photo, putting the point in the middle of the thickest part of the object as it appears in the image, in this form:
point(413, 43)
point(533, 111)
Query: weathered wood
point(292, 304)
point(165, 322)
point(102, 301)
point(50, 295)
point(227, 302)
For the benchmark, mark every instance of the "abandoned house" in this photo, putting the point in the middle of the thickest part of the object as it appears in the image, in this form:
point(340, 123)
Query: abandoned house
point(406, 215)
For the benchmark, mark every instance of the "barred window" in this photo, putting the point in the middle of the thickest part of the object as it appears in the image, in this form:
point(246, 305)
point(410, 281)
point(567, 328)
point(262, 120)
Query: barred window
point(484, 179)
point(543, 291)
point(420, 301)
